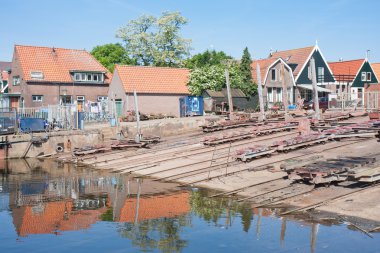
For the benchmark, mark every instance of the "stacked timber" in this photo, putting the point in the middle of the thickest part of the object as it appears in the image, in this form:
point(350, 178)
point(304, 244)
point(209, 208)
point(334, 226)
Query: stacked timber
point(90, 150)
point(249, 153)
point(250, 132)
point(228, 124)
point(361, 169)
point(300, 141)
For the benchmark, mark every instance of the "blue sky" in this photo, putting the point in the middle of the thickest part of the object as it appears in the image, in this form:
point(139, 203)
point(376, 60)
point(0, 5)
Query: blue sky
point(344, 28)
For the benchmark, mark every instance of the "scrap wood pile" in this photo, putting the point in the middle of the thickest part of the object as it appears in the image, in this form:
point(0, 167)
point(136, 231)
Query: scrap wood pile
point(227, 124)
point(362, 169)
point(311, 138)
point(90, 150)
point(129, 143)
point(248, 153)
point(353, 128)
point(250, 132)
point(335, 116)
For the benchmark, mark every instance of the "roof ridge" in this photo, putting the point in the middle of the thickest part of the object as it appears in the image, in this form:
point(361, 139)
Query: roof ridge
point(156, 67)
point(345, 61)
point(63, 48)
point(293, 49)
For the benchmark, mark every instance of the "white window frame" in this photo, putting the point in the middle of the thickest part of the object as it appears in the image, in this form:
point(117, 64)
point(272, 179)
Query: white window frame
point(369, 76)
point(37, 75)
point(278, 94)
point(16, 80)
point(81, 98)
point(321, 74)
point(364, 76)
point(102, 98)
point(270, 94)
point(273, 77)
point(37, 98)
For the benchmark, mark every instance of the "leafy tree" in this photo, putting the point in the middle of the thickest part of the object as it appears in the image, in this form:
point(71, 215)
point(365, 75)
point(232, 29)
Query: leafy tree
point(139, 39)
point(207, 58)
point(213, 78)
point(245, 68)
point(110, 54)
point(156, 41)
point(171, 48)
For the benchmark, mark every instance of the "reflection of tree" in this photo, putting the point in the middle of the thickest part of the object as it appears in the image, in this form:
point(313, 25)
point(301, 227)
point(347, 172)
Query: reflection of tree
point(212, 209)
point(108, 215)
point(162, 234)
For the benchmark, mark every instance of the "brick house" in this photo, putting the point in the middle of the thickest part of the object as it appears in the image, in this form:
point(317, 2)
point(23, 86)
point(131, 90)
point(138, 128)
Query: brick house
point(158, 89)
point(296, 62)
point(271, 79)
point(50, 76)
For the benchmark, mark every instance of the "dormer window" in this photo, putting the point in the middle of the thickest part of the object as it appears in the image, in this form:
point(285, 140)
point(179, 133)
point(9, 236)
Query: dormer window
point(38, 75)
point(88, 77)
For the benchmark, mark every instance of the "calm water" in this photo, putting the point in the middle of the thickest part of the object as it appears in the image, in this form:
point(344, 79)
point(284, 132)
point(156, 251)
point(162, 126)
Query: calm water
point(50, 207)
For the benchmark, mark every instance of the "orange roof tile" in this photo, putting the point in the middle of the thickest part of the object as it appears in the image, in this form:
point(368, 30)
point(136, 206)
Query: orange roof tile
point(376, 69)
point(146, 79)
point(56, 216)
point(156, 207)
point(297, 56)
point(264, 64)
point(56, 63)
point(346, 70)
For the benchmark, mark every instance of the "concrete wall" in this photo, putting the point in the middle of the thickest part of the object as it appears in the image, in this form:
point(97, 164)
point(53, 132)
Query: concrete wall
point(78, 139)
point(160, 127)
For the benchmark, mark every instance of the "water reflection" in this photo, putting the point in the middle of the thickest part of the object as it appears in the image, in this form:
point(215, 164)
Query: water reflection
point(45, 197)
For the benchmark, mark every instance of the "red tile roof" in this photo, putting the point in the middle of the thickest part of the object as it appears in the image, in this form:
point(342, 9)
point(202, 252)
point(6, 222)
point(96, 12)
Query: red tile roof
point(264, 64)
point(346, 70)
point(56, 216)
point(155, 207)
point(376, 69)
point(56, 63)
point(145, 79)
point(297, 56)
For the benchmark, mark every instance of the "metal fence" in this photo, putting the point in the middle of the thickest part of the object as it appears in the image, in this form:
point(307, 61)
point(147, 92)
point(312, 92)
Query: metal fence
point(345, 101)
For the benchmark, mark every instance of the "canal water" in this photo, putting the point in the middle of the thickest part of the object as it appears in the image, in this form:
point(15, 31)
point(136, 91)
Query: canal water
point(51, 207)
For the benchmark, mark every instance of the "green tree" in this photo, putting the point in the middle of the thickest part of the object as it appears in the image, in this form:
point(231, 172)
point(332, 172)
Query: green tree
point(138, 36)
point(171, 48)
point(213, 78)
point(156, 41)
point(207, 58)
point(110, 54)
point(248, 86)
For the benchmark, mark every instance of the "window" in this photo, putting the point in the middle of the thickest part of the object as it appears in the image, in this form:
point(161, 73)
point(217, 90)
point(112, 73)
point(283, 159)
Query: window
point(37, 98)
point(270, 94)
point(364, 76)
point(16, 80)
point(80, 98)
point(274, 77)
point(369, 75)
point(102, 98)
point(77, 77)
point(36, 75)
point(321, 74)
point(278, 94)
point(88, 77)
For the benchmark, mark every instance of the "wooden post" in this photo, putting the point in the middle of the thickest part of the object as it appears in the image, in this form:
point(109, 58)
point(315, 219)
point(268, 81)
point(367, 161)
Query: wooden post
point(260, 91)
point(315, 91)
point(284, 91)
point(138, 135)
point(230, 104)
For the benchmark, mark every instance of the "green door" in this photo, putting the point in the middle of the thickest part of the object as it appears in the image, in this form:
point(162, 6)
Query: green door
point(119, 107)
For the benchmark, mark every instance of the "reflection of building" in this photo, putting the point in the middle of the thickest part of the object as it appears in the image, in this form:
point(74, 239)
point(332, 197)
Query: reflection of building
point(53, 217)
point(45, 199)
point(159, 206)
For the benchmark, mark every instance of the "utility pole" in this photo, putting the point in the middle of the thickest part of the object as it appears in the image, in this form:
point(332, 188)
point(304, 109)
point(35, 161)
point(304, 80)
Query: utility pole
point(315, 91)
point(260, 91)
point(230, 104)
point(138, 135)
point(284, 91)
